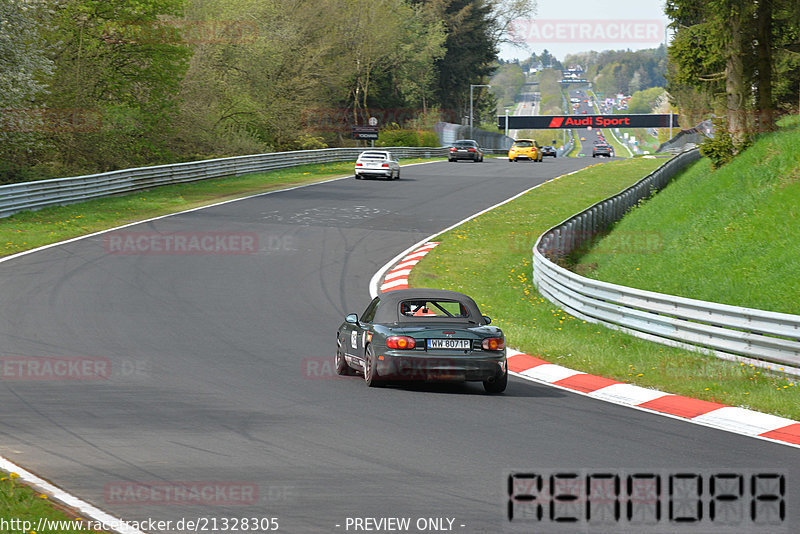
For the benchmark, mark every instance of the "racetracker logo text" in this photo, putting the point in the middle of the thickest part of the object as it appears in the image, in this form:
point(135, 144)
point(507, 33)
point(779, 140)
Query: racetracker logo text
point(182, 493)
point(587, 31)
point(179, 31)
point(178, 243)
point(55, 368)
point(49, 120)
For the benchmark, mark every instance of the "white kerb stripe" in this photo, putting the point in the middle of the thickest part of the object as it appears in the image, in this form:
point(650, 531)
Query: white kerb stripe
point(402, 273)
point(743, 420)
point(417, 255)
point(549, 372)
point(398, 282)
point(627, 394)
point(406, 264)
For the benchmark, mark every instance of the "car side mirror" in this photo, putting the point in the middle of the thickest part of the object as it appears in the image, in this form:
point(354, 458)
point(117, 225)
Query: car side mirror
point(487, 319)
point(351, 318)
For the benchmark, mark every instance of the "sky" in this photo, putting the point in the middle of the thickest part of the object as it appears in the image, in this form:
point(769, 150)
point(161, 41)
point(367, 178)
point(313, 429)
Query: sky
point(569, 26)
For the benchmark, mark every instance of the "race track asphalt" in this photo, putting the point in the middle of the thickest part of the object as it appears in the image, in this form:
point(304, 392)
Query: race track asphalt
point(220, 373)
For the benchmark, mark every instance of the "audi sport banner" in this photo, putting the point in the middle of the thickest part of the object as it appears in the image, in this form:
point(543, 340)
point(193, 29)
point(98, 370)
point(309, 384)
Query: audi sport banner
point(545, 122)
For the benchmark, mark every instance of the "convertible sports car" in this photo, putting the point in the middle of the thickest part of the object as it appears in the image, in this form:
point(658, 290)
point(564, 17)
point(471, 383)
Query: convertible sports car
point(422, 334)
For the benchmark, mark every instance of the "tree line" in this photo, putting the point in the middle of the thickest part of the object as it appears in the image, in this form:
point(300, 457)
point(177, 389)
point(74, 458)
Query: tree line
point(739, 60)
point(622, 71)
point(97, 85)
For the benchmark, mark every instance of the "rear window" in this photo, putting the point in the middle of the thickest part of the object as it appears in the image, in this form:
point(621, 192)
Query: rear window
point(523, 144)
point(465, 145)
point(372, 155)
point(433, 308)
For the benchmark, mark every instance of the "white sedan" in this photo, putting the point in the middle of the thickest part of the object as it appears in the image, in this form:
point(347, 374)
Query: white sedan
point(377, 163)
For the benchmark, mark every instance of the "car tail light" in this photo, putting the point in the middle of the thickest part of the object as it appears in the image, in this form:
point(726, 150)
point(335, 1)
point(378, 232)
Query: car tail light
point(452, 149)
point(494, 343)
point(385, 165)
point(401, 342)
point(359, 164)
point(471, 150)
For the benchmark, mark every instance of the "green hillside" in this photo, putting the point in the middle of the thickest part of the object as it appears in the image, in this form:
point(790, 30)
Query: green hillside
point(729, 236)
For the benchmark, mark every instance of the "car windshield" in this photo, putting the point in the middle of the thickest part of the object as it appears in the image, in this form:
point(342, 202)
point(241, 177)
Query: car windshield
point(523, 144)
point(433, 308)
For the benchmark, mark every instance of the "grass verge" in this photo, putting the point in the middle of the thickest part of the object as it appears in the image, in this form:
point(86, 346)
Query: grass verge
point(31, 229)
point(489, 258)
point(19, 503)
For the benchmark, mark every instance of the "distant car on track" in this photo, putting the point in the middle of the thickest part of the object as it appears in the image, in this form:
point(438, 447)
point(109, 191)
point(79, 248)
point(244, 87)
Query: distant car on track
point(525, 148)
point(465, 149)
point(379, 163)
point(549, 151)
point(602, 150)
point(422, 334)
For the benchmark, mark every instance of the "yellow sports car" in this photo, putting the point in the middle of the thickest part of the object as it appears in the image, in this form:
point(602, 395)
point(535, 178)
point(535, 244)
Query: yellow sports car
point(525, 148)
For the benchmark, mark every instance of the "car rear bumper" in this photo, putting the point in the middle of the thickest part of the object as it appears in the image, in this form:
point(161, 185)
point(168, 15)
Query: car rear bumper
point(444, 366)
point(527, 155)
point(365, 172)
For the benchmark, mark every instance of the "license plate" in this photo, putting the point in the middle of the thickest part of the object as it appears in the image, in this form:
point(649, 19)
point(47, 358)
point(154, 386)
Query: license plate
point(455, 344)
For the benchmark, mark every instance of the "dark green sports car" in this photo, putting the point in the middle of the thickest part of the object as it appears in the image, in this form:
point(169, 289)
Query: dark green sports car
point(422, 334)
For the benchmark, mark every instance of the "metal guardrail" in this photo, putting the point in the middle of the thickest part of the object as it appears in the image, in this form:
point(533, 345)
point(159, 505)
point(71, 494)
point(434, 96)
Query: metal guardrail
point(490, 142)
point(721, 328)
point(688, 138)
point(561, 152)
point(60, 191)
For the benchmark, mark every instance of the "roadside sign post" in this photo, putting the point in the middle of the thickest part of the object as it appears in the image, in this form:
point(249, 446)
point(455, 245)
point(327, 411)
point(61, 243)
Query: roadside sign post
point(670, 124)
point(366, 133)
point(372, 122)
point(471, 86)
